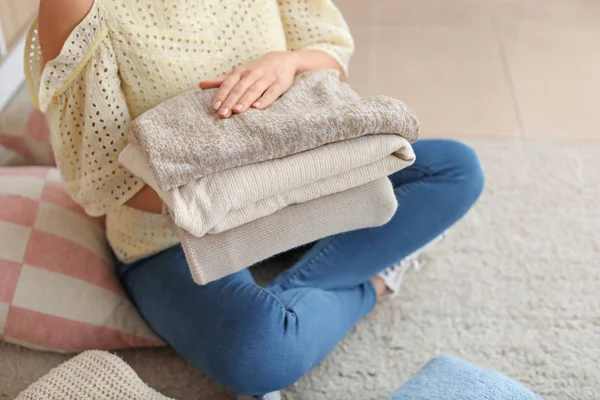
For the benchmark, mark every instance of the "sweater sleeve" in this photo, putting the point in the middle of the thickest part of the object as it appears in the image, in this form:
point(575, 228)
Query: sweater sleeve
point(317, 25)
point(80, 93)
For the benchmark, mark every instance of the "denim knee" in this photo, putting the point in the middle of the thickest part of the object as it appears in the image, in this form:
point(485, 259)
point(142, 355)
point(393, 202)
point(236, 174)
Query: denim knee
point(465, 167)
point(255, 359)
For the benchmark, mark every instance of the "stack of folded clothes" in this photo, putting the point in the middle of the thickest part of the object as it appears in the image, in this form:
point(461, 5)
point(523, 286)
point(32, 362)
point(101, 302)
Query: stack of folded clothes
point(243, 189)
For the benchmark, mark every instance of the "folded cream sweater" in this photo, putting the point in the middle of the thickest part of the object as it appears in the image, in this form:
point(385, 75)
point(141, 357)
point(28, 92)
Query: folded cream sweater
point(183, 139)
point(213, 256)
point(231, 198)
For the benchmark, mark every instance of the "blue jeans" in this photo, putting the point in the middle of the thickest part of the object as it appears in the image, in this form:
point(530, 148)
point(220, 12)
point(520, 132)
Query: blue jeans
point(255, 340)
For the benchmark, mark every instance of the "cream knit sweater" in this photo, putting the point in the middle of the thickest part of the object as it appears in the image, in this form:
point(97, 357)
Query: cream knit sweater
point(213, 256)
point(231, 198)
point(128, 56)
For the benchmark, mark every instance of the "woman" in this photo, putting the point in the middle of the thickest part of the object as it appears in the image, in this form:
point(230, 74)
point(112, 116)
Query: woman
point(96, 65)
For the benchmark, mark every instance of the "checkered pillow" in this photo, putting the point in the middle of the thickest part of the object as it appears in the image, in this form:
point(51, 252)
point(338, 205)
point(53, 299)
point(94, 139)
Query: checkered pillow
point(58, 290)
point(25, 141)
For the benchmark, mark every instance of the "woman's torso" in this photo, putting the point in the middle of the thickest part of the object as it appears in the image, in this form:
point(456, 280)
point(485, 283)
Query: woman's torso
point(165, 47)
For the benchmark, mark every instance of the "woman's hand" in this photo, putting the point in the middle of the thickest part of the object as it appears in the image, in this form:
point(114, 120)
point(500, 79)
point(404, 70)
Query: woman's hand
point(256, 84)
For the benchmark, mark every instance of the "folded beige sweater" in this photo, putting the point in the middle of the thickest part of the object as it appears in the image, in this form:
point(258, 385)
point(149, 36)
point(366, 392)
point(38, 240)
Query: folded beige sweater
point(213, 256)
point(231, 198)
point(183, 139)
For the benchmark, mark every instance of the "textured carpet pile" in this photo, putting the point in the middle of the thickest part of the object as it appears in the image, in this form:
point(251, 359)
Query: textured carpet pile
point(515, 287)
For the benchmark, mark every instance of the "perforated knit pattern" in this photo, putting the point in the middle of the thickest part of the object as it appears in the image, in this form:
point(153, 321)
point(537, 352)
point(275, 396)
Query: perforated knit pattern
point(128, 56)
point(91, 375)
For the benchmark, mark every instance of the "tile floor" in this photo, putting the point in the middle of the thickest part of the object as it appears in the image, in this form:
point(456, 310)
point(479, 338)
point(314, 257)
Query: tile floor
point(472, 69)
point(501, 69)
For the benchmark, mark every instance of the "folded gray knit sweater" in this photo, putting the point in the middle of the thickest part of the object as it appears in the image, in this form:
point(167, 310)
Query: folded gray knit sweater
point(183, 139)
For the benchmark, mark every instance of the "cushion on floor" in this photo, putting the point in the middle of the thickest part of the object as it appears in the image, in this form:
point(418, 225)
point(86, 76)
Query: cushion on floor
point(91, 375)
point(450, 378)
point(58, 290)
point(25, 139)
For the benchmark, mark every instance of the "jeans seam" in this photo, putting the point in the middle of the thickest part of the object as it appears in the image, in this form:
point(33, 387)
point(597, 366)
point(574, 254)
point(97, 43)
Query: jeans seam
point(293, 301)
point(277, 300)
point(371, 286)
point(312, 261)
point(421, 169)
point(122, 272)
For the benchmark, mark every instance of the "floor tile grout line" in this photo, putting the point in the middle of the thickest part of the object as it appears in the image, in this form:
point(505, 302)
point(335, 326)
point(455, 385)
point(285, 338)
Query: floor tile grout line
point(509, 78)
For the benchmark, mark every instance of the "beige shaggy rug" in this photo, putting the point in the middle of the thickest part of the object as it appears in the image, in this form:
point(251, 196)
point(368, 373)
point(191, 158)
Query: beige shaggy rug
point(515, 287)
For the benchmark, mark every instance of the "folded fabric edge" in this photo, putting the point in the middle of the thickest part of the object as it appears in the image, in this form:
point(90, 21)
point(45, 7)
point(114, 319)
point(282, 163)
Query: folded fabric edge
point(380, 156)
point(178, 201)
point(212, 257)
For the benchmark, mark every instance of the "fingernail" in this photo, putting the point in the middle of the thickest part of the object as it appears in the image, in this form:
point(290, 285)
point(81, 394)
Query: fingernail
point(257, 104)
point(238, 107)
point(224, 111)
point(217, 105)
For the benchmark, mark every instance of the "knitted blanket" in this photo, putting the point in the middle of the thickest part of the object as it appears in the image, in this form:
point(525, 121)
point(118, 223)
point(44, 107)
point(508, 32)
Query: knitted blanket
point(91, 375)
point(183, 139)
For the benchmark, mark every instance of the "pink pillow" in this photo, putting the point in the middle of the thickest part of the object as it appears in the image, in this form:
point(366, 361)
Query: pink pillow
point(58, 290)
point(30, 142)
